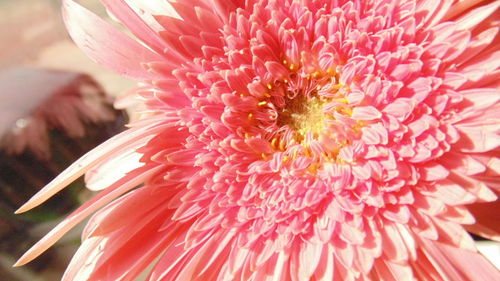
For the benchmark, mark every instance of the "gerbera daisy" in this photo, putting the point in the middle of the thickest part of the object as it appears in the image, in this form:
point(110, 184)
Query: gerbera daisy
point(293, 140)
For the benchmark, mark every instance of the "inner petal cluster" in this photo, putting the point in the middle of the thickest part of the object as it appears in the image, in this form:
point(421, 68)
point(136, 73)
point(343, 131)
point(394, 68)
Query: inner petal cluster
point(305, 106)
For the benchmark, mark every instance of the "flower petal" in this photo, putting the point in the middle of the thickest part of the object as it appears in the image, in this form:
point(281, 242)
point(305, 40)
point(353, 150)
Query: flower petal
point(106, 45)
point(88, 161)
point(365, 113)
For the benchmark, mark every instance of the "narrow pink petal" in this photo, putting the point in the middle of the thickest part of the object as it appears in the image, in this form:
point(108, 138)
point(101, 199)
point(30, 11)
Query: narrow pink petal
point(437, 11)
point(122, 186)
point(478, 44)
point(433, 172)
point(487, 61)
point(113, 215)
point(459, 42)
point(477, 15)
point(211, 255)
point(129, 250)
point(463, 164)
point(206, 255)
point(455, 263)
point(487, 219)
point(87, 252)
point(105, 44)
point(479, 138)
point(393, 245)
point(370, 136)
point(278, 267)
point(451, 193)
point(393, 271)
point(426, 9)
point(115, 167)
point(365, 113)
point(480, 98)
point(309, 256)
point(400, 108)
point(325, 267)
point(88, 161)
point(171, 262)
point(453, 234)
point(126, 15)
point(147, 10)
point(420, 88)
point(237, 258)
point(355, 97)
point(460, 6)
point(276, 69)
point(397, 213)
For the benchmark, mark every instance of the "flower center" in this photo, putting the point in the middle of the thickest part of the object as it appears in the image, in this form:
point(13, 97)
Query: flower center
point(303, 114)
point(308, 113)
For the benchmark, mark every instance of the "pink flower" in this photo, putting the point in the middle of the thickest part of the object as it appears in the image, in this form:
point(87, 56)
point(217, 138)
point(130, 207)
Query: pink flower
point(35, 101)
point(293, 140)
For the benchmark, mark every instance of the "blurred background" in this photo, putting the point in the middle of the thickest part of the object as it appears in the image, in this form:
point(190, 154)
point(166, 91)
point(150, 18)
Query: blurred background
point(55, 104)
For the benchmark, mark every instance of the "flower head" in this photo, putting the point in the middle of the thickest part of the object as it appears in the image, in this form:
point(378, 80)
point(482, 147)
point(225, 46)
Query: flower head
point(35, 101)
point(294, 140)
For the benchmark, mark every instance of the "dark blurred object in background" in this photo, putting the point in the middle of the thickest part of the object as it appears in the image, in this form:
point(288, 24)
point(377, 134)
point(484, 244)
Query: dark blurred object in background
point(48, 119)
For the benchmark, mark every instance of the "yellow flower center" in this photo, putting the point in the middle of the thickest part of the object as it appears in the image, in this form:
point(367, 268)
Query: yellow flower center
point(304, 115)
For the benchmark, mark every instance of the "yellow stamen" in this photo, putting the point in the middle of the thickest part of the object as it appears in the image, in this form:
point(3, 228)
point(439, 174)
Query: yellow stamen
point(338, 86)
point(282, 145)
point(307, 151)
point(262, 103)
point(345, 111)
point(313, 168)
point(273, 142)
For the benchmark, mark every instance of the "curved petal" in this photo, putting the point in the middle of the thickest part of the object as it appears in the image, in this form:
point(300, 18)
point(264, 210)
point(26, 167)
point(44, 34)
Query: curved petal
point(115, 167)
point(122, 186)
point(458, 264)
point(87, 161)
point(138, 18)
point(487, 219)
point(130, 248)
point(106, 45)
